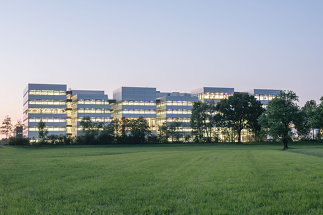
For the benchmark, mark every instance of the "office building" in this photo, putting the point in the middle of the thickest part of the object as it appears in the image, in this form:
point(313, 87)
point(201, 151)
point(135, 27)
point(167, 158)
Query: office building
point(213, 94)
point(88, 103)
point(135, 102)
point(62, 110)
point(176, 107)
point(265, 95)
point(47, 103)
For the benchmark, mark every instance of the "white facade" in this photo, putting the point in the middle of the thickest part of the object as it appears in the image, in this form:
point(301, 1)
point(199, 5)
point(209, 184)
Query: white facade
point(46, 102)
point(88, 103)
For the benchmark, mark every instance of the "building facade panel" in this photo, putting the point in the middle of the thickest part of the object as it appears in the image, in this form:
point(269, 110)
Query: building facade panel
point(88, 103)
point(47, 103)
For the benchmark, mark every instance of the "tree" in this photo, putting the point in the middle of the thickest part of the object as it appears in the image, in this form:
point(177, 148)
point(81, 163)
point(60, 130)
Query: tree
point(203, 119)
point(198, 119)
point(115, 126)
point(139, 129)
point(163, 133)
point(123, 128)
point(319, 114)
point(174, 130)
point(213, 119)
point(90, 130)
point(6, 127)
point(253, 123)
point(18, 129)
point(281, 115)
point(309, 111)
point(240, 111)
point(42, 130)
point(106, 135)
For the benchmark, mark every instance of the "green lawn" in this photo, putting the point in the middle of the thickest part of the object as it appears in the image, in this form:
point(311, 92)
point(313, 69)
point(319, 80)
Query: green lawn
point(169, 179)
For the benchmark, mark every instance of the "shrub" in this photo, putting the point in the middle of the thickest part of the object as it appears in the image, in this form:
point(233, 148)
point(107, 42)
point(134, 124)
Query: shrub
point(15, 141)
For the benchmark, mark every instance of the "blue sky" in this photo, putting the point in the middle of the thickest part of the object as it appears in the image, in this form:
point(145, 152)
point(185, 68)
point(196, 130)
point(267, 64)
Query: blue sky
point(173, 45)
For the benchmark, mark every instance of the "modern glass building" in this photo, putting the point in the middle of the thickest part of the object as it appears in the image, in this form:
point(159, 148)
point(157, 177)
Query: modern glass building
point(213, 94)
point(88, 103)
point(47, 103)
point(176, 107)
point(62, 110)
point(135, 102)
point(265, 95)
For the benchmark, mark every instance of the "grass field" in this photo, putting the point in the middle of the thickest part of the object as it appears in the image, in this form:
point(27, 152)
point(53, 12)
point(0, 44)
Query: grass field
point(170, 179)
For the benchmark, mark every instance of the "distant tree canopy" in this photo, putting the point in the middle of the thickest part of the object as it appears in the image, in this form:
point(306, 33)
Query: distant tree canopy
point(95, 132)
point(280, 117)
point(241, 111)
point(18, 129)
point(311, 119)
point(42, 130)
point(174, 130)
point(139, 130)
point(119, 131)
point(203, 119)
point(319, 114)
point(6, 127)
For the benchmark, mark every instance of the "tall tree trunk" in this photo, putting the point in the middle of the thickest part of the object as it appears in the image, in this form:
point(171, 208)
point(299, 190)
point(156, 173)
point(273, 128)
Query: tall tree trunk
point(239, 136)
point(285, 142)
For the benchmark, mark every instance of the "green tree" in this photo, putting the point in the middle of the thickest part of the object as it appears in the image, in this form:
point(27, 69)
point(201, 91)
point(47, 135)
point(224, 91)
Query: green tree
point(174, 130)
point(198, 120)
point(116, 128)
point(309, 111)
point(18, 129)
point(240, 111)
point(213, 119)
point(124, 124)
point(203, 119)
point(139, 129)
point(163, 133)
point(319, 115)
point(281, 115)
point(90, 130)
point(42, 130)
point(106, 134)
point(6, 127)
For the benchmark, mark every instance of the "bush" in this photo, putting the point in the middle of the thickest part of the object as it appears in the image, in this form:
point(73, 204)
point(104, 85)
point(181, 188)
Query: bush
point(18, 141)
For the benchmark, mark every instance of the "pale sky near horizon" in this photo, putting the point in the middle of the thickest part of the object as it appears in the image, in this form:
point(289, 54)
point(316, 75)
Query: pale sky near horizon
point(172, 45)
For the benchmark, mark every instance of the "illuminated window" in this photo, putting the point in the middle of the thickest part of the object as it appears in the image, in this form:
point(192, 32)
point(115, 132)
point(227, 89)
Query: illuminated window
point(46, 110)
point(46, 102)
point(47, 92)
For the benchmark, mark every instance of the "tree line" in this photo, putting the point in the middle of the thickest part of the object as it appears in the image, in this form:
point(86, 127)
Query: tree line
point(281, 120)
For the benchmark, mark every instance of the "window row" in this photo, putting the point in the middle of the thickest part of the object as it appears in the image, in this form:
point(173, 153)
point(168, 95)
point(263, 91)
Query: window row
point(92, 102)
point(141, 103)
point(183, 129)
point(265, 97)
point(177, 103)
point(47, 119)
point(214, 96)
point(97, 119)
point(178, 120)
point(180, 111)
point(46, 110)
point(138, 111)
point(47, 92)
point(46, 102)
point(48, 129)
point(93, 110)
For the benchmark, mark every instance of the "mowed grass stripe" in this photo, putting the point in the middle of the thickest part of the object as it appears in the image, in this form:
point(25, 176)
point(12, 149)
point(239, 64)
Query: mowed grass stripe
point(160, 180)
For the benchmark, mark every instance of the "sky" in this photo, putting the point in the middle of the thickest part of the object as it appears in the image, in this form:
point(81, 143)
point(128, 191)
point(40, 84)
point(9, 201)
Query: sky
point(174, 45)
